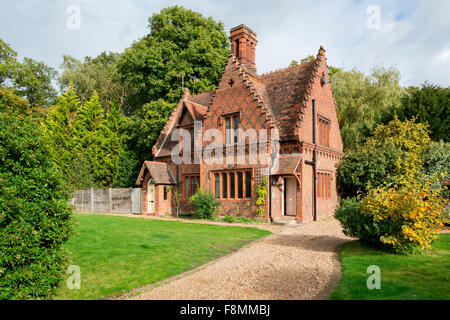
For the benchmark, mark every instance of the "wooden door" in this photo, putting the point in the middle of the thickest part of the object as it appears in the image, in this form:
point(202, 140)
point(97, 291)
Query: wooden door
point(290, 196)
point(151, 197)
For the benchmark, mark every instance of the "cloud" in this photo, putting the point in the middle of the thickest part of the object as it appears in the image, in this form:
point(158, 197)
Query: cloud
point(413, 35)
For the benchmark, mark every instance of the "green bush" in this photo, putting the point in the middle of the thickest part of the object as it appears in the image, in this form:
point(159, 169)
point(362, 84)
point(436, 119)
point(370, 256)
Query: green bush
point(391, 156)
point(403, 220)
point(365, 166)
point(436, 159)
point(229, 218)
point(205, 205)
point(35, 218)
point(354, 223)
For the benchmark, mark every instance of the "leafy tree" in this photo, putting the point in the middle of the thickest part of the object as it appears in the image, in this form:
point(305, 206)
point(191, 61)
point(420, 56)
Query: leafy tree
point(85, 142)
point(144, 128)
point(34, 82)
point(436, 159)
point(35, 218)
point(180, 42)
point(140, 132)
point(368, 165)
point(128, 169)
point(428, 104)
point(308, 59)
point(363, 102)
point(331, 70)
point(8, 62)
point(99, 75)
point(11, 103)
point(30, 79)
point(391, 156)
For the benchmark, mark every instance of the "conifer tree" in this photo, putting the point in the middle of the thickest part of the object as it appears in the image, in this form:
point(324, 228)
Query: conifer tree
point(57, 127)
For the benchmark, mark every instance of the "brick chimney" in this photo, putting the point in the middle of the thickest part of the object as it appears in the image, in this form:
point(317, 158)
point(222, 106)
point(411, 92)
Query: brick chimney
point(243, 44)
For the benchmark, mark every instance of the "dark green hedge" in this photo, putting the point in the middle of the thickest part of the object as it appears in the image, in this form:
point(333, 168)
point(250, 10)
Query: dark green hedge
point(35, 218)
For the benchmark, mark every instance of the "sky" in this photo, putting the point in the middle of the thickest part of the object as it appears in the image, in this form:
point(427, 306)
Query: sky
point(411, 35)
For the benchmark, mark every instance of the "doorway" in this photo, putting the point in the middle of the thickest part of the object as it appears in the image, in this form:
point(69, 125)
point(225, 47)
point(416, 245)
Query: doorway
point(151, 196)
point(290, 196)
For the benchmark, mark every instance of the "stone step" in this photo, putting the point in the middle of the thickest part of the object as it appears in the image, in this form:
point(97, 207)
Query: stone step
point(286, 221)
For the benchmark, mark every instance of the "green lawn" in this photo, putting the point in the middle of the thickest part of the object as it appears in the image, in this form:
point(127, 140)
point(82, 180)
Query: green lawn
point(424, 276)
point(117, 254)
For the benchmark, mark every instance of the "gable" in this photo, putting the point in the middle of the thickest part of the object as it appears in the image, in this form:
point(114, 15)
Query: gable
point(186, 118)
point(325, 107)
point(159, 171)
point(237, 93)
point(280, 99)
point(193, 109)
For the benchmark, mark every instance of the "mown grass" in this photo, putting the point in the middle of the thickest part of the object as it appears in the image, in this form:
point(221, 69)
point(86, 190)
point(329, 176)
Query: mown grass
point(415, 277)
point(118, 254)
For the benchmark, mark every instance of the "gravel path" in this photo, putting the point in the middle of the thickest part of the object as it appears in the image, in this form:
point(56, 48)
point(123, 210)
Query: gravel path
point(294, 263)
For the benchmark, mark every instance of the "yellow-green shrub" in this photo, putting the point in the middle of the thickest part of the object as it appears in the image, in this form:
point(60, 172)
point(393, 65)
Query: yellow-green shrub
point(408, 218)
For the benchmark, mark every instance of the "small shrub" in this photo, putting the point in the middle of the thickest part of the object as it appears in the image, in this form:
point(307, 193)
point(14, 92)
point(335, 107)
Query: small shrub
point(229, 219)
point(354, 223)
point(247, 220)
point(205, 205)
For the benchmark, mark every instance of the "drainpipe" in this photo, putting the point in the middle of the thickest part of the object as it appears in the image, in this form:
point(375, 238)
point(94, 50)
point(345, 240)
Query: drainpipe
point(270, 199)
point(313, 163)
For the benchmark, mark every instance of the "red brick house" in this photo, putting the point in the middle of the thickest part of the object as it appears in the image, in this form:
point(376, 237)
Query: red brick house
point(290, 104)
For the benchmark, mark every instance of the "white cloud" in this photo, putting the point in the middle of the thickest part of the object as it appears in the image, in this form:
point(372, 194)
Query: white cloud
point(414, 35)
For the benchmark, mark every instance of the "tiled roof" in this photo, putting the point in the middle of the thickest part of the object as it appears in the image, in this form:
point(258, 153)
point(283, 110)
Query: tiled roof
point(286, 90)
point(288, 164)
point(197, 111)
point(202, 98)
point(159, 171)
point(282, 94)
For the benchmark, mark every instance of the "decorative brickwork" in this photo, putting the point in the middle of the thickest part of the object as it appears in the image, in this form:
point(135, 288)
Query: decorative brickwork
point(280, 100)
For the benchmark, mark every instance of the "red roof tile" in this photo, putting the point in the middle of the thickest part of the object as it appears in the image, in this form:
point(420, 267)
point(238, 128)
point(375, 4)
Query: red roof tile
point(286, 90)
point(159, 171)
point(287, 165)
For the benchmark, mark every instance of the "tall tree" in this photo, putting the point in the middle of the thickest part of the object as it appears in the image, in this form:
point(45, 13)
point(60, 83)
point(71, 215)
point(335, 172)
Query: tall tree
point(181, 42)
point(34, 82)
point(363, 102)
point(57, 127)
point(29, 79)
point(428, 104)
point(8, 62)
point(95, 74)
point(140, 133)
point(393, 154)
point(93, 133)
